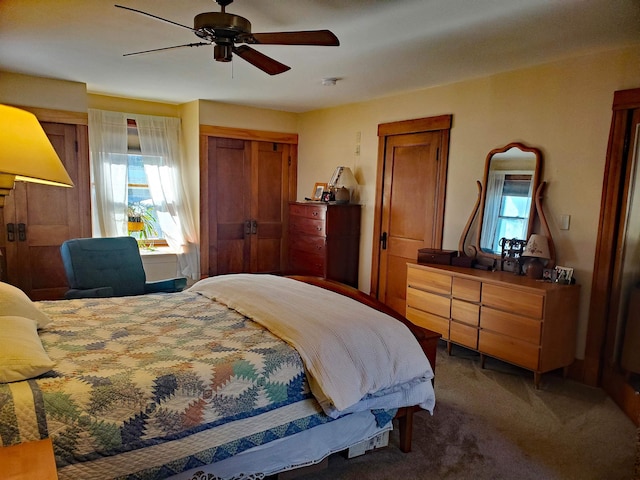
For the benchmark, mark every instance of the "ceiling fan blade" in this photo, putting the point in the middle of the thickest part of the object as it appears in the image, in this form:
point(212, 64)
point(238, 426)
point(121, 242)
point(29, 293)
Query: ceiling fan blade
point(307, 37)
point(166, 48)
point(260, 60)
point(155, 16)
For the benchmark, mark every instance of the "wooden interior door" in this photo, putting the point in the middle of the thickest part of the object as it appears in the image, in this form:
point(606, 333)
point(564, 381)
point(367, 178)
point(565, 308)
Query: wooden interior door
point(42, 217)
point(412, 173)
point(243, 206)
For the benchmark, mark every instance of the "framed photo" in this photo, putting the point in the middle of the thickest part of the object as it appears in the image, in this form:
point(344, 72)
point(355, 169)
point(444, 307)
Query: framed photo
point(318, 190)
point(549, 275)
point(564, 274)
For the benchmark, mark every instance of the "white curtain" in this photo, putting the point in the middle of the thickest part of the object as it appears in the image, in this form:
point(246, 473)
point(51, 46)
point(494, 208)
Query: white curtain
point(163, 163)
point(108, 150)
point(492, 201)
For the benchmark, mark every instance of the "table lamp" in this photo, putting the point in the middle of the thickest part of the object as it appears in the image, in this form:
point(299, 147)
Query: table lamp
point(537, 249)
point(26, 154)
point(343, 181)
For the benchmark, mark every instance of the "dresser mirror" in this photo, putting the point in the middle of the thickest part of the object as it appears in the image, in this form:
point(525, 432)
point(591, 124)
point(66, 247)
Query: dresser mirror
point(506, 206)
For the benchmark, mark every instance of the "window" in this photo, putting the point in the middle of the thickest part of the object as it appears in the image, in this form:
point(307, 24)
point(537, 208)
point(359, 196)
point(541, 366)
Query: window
point(515, 203)
point(142, 214)
point(136, 167)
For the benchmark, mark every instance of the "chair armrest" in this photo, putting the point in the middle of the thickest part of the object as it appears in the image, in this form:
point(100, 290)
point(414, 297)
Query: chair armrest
point(100, 292)
point(166, 286)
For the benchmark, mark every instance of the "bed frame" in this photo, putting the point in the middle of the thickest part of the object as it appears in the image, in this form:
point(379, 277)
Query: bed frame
point(427, 339)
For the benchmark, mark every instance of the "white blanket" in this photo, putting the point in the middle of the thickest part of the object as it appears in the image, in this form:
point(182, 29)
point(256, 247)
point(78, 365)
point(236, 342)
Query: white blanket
point(350, 350)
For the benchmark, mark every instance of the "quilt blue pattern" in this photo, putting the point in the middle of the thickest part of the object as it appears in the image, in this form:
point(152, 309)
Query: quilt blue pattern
point(145, 387)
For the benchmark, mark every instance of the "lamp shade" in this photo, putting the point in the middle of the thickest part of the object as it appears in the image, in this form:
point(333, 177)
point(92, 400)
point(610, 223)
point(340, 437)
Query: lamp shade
point(26, 153)
point(537, 246)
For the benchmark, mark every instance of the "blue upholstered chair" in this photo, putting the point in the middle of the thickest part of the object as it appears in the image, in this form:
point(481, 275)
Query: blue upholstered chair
point(109, 267)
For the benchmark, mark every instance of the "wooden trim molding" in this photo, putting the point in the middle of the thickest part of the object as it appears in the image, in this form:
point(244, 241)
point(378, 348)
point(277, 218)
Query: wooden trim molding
point(428, 124)
point(246, 134)
point(611, 209)
point(57, 116)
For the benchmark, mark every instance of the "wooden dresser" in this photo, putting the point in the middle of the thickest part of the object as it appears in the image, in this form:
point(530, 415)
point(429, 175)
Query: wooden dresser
point(324, 240)
point(525, 322)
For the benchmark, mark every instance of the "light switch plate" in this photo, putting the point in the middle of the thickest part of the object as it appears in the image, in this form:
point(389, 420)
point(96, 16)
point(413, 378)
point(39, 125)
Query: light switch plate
point(564, 221)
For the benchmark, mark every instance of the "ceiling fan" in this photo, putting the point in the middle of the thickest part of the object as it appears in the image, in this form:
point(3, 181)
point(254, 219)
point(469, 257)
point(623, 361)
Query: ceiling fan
point(225, 30)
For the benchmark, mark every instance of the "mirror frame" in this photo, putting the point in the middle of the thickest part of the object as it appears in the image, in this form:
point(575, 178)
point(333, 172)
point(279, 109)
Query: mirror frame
point(532, 212)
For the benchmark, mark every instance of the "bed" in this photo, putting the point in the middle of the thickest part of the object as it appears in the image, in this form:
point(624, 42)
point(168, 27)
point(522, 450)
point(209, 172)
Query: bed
point(240, 376)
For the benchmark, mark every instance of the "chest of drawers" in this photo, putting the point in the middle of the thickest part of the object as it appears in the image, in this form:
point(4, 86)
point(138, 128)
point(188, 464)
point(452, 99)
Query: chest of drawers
point(525, 322)
point(324, 241)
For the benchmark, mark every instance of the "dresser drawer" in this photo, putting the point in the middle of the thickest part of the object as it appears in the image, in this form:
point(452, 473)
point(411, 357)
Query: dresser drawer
point(429, 280)
point(509, 349)
point(464, 335)
point(522, 328)
point(304, 263)
point(429, 302)
point(308, 244)
point(515, 301)
point(465, 289)
point(430, 321)
point(306, 226)
point(308, 210)
point(465, 312)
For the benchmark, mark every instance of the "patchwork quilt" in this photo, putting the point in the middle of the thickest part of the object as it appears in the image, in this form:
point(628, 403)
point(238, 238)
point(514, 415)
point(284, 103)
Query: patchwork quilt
point(156, 385)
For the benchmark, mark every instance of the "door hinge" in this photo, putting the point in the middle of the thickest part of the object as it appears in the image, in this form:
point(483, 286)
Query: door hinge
point(76, 146)
point(289, 160)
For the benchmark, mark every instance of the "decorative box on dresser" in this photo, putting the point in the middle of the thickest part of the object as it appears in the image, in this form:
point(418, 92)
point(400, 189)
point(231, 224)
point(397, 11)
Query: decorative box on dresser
point(529, 323)
point(324, 240)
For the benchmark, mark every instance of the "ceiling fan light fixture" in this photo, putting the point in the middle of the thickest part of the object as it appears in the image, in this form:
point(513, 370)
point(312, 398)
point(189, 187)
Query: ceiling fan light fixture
point(222, 53)
point(225, 31)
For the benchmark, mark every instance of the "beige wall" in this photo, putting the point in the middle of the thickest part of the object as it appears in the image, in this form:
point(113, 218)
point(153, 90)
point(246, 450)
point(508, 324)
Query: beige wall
point(564, 109)
point(27, 91)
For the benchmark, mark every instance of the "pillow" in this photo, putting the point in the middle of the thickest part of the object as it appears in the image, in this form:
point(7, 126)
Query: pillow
point(14, 301)
point(21, 353)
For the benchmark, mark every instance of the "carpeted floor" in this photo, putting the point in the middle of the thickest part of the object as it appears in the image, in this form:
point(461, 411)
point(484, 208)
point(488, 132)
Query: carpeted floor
point(493, 424)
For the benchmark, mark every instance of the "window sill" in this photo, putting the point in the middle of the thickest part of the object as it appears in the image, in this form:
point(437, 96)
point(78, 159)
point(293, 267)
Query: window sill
point(158, 252)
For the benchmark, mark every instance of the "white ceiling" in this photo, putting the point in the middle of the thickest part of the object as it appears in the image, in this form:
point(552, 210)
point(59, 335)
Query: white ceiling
point(387, 46)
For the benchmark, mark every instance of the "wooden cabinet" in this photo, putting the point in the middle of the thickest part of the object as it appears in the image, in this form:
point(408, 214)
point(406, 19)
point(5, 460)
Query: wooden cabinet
point(526, 322)
point(324, 241)
point(37, 218)
point(245, 187)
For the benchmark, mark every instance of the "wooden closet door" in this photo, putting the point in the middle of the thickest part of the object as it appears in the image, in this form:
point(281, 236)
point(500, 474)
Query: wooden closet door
point(48, 216)
point(228, 206)
point(269, 200)
point(244, 206)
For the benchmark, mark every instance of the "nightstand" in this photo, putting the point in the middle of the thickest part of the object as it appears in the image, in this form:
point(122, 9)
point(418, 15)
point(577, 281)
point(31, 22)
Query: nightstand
point(30, 460)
